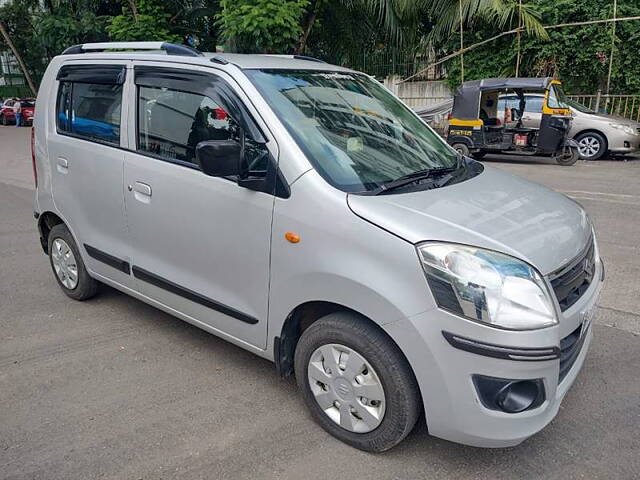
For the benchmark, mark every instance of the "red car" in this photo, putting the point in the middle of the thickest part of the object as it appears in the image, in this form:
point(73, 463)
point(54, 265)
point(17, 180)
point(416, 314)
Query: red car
point(7, 116)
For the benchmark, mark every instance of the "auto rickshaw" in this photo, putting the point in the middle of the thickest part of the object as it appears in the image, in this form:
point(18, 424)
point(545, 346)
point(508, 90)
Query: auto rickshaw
point(477, 126)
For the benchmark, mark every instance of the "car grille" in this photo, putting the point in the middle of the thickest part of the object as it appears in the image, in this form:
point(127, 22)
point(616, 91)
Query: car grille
point(571, 281)
point(570, 347)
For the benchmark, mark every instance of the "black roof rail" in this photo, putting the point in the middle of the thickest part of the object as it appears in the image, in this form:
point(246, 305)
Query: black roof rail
point(169, 48)
point(310, 59)
point(219, 59)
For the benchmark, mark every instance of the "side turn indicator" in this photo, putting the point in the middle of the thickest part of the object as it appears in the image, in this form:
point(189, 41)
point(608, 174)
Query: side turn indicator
point(292, 237)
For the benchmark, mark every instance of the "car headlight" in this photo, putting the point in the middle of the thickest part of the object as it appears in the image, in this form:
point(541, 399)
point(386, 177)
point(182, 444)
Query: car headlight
point(487, 286)
point(625, 128)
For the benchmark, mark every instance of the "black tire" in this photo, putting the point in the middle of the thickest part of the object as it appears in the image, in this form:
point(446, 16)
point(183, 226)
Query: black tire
point(461, 148)
point(402, 398)
point(568, 157)
point(4, 120)
point(478, 155)
point(593, 138)
point(86, 287)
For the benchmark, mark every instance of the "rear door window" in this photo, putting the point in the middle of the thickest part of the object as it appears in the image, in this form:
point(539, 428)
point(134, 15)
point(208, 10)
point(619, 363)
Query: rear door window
point(534, 104)
point(89, 102)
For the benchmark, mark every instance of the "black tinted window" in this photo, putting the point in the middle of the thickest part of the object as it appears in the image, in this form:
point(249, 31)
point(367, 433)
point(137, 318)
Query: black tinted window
point(90, 110)
point(171, 123)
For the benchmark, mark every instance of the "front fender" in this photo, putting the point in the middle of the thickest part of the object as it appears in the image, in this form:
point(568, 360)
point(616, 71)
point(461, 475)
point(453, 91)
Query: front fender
point(340, 258)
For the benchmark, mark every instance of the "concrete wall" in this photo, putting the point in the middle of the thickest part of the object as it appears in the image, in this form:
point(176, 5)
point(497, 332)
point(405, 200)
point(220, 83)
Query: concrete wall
point(419, 94)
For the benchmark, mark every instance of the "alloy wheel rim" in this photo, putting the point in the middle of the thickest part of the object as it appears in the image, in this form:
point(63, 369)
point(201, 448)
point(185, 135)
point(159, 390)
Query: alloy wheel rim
point(64, 263)
point(346, 388)
point(589, 146)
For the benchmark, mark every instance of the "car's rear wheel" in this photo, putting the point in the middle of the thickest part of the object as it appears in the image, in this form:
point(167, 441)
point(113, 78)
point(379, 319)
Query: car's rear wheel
point(3, 120)
point(567, 157)
point(356, 382)
point(591, 145)
point(461, 148)
point(67, 265)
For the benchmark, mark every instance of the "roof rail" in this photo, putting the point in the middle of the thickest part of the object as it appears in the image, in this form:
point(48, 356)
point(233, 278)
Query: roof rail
point(219, 59)
point(310, 59)
point(169, 48)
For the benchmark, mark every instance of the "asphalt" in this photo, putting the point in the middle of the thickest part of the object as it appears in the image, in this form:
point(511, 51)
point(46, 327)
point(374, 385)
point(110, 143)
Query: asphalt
point(112, 388)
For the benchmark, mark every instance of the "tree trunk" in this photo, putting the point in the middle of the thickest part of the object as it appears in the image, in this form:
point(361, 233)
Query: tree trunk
point(134, 9)
point(309, 21)
point(27, 76)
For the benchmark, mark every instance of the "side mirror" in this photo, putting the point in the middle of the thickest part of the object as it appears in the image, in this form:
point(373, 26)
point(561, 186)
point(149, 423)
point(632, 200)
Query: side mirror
point(515, 114)
point(219, 158)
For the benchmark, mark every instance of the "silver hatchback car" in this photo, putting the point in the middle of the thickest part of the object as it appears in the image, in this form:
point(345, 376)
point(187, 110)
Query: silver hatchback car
point(302, 212)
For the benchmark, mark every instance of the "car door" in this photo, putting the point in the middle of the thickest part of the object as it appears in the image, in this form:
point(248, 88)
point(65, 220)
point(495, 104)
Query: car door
point(86, 157)
point(201, 245)
point(7, 111)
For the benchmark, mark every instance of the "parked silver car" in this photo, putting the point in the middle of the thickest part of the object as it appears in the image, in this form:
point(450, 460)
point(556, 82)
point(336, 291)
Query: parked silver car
point(301, 211)
point(595, 133)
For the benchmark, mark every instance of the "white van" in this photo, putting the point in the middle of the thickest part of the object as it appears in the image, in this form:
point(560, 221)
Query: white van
point(302, 212)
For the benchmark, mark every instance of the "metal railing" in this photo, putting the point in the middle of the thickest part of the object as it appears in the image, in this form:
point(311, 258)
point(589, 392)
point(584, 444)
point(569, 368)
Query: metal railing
point(627, 106)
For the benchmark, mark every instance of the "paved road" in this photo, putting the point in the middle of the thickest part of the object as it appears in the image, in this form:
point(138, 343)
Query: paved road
point(114, 389)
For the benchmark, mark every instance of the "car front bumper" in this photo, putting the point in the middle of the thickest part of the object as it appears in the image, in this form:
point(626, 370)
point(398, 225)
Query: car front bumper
point(621, 142)
point(453, 407)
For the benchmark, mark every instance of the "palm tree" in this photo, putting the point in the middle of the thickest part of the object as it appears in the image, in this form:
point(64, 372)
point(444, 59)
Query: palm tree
point(397, 19)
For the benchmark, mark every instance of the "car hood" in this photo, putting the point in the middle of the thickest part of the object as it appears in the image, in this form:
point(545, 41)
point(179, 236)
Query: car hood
point(493, 210)
point(602, 117)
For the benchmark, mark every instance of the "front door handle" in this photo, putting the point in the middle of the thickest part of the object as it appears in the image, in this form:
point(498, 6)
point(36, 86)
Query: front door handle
point(62, 165)
point(141, 191)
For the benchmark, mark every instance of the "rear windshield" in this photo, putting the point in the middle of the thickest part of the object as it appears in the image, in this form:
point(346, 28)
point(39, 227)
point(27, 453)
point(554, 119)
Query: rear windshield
point(355, 132)
point(27, 103)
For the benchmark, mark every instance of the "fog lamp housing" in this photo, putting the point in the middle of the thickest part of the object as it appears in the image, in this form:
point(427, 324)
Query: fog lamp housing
point(509, 395)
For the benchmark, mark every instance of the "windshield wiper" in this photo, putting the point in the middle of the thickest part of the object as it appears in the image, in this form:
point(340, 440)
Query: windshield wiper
point(408, 179)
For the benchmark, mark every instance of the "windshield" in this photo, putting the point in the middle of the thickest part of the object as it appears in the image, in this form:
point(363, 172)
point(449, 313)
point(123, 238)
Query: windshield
point(556, 97)
point(578, 106)
point(357, 135)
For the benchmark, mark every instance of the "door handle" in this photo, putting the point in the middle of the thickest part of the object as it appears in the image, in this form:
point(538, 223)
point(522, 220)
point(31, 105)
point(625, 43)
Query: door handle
point(62, 165)
point(141, 191)
point(142, 188)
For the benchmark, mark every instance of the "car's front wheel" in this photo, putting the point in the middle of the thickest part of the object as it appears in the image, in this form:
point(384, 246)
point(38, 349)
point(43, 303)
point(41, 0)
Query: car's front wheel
point(356, 382)
point(3, 120)
point(591, 145)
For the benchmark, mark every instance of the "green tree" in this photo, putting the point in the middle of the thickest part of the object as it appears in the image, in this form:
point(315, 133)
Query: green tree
point(265, 26)
point(143, 20)
point(578, 55)
point(19, 19)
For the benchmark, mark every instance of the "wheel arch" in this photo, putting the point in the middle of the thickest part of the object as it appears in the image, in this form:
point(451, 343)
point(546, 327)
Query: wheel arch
point(46, 221)
point(301, 318)
point(468, 141)
point(593, 130)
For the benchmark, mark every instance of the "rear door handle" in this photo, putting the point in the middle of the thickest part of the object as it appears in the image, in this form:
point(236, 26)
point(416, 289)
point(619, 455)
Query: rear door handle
point(62, 165)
